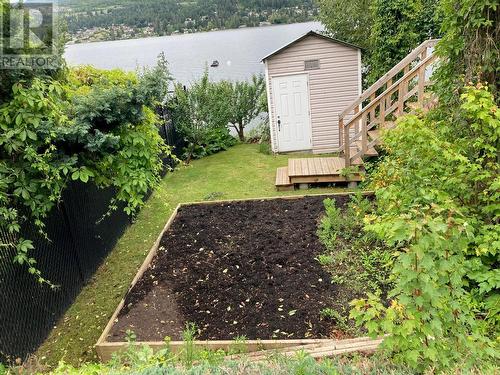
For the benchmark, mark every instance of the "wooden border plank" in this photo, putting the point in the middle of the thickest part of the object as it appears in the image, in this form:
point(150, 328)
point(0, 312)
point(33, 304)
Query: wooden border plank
point(298, 196)
point(106, 349)
point(140, 272)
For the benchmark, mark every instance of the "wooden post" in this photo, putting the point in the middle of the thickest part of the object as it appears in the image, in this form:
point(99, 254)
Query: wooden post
point(356, 111)
point(372, 111)
point(347, 149)
point(421, 85)
point(401, 94)
point(382, 112)
point(424, 54)
point(364, 134)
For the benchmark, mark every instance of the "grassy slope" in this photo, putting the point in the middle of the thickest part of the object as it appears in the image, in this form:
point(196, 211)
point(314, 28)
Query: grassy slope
point(241, 172)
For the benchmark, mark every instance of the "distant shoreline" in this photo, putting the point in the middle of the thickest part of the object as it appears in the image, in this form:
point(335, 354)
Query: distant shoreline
point(187, 34)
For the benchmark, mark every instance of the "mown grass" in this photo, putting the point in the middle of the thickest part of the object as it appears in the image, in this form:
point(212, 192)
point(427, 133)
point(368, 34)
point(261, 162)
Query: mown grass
point(240, 172)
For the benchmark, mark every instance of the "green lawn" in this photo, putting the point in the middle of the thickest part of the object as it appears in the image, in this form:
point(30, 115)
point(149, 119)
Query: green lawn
point(241, 172)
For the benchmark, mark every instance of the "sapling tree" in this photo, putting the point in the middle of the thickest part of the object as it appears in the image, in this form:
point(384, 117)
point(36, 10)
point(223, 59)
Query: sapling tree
point(246, 101)
point(201, 114)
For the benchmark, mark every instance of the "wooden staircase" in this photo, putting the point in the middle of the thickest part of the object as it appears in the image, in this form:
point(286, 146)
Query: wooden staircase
point(362, 123)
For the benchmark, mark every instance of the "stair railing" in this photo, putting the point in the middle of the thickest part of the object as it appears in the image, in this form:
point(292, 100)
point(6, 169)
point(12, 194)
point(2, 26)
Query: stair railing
point(387, 97)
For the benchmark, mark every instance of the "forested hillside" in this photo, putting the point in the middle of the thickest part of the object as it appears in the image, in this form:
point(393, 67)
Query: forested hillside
point(90, 20)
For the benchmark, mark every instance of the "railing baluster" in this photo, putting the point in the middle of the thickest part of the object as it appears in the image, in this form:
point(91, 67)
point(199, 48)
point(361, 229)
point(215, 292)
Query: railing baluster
point(356, 111)
point(383, 103)
point(364, 134)
point(421, 85)
point(401, 95)
point(347, 150)
point(372, 111)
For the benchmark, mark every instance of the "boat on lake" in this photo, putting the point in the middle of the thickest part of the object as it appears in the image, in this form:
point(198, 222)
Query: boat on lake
point(215, 64)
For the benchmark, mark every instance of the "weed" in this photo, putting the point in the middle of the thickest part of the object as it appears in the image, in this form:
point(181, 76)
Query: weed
point(325, 259)
point(265, 148)
point(213, 196)
point(240, 345)
point(339, 319)
point(189, 350)
point(354, 258)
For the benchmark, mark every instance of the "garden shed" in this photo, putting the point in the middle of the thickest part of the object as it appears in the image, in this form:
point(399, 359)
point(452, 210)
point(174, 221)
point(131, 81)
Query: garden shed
point(309, 82)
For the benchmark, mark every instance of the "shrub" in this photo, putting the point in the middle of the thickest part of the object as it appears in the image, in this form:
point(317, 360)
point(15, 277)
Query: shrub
point(94, 126)
point(437, 200)
point(437, 195)
point(261, 134)
point(201, 114)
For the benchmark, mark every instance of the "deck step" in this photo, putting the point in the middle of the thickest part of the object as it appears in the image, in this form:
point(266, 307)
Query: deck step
point(374, 134)
point(388, 125)
point(323, 166)
point(369, 152)
point(357, 161)
point(318, 170)
point(283, 180)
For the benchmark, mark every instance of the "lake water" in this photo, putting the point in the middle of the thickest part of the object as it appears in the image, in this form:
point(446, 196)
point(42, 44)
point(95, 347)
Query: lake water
point(239, 51)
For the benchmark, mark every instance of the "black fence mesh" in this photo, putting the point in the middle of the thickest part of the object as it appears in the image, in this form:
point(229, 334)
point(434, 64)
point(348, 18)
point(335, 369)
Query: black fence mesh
point(80, 235)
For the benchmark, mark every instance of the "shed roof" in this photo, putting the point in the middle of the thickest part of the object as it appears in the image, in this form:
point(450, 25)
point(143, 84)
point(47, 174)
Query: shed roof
point(310, 33)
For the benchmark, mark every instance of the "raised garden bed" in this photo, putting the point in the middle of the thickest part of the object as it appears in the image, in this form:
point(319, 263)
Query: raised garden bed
point(235, 269)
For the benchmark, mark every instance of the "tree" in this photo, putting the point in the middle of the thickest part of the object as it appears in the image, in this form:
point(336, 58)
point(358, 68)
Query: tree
point(246, 101)
point(350, 21)
point(398, 27)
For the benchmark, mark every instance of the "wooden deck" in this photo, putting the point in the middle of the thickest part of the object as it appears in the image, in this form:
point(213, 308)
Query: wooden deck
point(313, 170)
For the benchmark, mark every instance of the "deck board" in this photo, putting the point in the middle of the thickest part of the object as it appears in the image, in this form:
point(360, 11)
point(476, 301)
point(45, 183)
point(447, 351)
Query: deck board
point(282, 179)
point(315, 166)
point(314, 170)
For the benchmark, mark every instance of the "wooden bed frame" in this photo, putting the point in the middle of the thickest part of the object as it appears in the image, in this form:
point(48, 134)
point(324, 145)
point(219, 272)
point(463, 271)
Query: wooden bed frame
point(106, 349)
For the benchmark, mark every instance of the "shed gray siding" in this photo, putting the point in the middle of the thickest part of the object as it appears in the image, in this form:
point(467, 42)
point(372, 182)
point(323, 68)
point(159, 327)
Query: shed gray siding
point(331, 88)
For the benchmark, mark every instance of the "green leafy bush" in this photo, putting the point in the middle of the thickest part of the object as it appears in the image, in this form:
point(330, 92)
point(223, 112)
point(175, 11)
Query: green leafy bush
point(261, 134)
point(437, 192)
point(92, 126)
point(206, 111)
point(201, 114)
point(437, 200)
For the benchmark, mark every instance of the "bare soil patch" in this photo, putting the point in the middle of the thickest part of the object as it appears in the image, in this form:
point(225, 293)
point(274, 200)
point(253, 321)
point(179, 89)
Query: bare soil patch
point(236, 269)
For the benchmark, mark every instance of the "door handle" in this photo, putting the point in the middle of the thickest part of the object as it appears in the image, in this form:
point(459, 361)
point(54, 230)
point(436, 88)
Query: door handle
point(279, 124)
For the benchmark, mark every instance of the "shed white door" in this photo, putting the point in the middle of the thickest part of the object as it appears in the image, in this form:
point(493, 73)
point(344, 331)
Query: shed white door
point(291, 112)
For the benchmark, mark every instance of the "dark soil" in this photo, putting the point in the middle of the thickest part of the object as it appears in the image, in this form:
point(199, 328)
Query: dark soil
point(236, 269)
